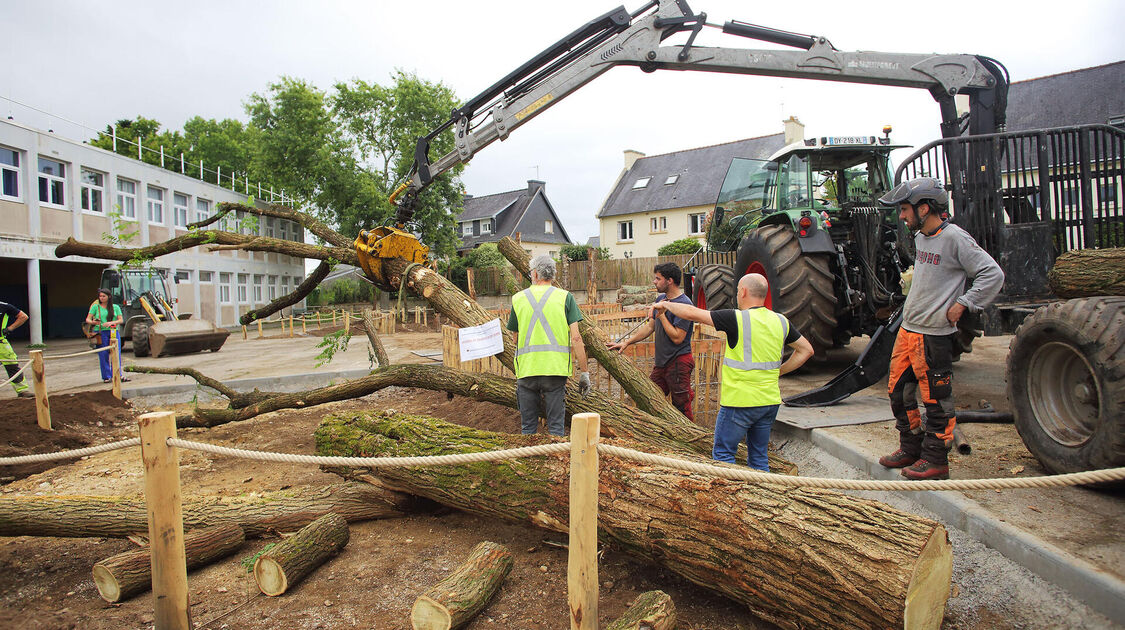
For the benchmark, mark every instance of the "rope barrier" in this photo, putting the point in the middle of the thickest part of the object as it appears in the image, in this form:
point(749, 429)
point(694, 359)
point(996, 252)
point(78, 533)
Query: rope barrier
point(17, 374)
point(81, 452)
point(78, 354)
point(374, 462)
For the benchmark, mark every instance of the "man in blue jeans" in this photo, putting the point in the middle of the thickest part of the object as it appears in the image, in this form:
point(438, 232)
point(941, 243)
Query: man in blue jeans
point(750, 394)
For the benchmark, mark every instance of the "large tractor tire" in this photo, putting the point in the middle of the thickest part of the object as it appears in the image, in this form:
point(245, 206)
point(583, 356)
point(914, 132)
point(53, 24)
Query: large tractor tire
point(715, 287)
point(1066, 384)
point(801, 285)
point(140, 339)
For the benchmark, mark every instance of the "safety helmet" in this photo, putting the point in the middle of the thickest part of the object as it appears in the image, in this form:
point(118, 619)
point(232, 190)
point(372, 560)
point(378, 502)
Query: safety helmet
point(917, 190)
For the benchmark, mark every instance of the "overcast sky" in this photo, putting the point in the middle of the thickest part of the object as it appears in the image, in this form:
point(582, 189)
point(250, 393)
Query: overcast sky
point(94, 62)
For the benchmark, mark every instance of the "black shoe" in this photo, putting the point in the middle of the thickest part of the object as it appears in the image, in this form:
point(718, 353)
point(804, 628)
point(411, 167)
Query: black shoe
point(25, 394)
point(897, 459)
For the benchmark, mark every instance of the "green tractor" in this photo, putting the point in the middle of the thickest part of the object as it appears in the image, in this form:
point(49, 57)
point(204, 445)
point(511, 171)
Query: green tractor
point(809, 220)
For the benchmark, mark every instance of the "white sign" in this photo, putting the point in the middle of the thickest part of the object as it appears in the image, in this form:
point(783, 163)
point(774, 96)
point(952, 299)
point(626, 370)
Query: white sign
point(480, 341)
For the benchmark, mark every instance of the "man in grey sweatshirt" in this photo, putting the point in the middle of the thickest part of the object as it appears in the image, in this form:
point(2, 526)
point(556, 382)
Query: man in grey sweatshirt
point(922, 359)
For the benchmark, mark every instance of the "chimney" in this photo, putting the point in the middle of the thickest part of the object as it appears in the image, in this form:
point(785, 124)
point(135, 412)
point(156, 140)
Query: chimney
point(794, 130)
point(533, 185)
point(631, 158)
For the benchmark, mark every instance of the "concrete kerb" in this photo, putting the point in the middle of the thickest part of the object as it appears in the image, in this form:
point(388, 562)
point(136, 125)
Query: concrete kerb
point(1102, 592)
point(289, 383)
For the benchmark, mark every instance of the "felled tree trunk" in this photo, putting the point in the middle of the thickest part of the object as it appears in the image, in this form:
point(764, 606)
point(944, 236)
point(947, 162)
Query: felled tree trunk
point(292, 559)
point(454, 601)
point(118, 517)
point(126, 574)
point(799, 558)
point(653, 610)
point(1088, 273)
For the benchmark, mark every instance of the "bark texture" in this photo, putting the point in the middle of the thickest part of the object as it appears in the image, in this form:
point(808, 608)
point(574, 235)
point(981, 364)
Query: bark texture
point(1088, 273)
point(288, 562)
point(653, 610)
point(377, 348)
point(126, 574)
point(455, 600)
point(119, 517)
point(798, 558)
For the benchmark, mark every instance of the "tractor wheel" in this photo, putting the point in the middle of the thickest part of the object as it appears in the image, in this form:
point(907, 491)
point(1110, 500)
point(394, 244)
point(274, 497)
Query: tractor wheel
point(715, 288)
point(801, 285)
point(1066, 384)
point(140, 339)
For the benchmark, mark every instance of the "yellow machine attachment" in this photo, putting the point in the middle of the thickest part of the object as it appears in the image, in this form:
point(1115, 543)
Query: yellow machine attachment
point(381, 243)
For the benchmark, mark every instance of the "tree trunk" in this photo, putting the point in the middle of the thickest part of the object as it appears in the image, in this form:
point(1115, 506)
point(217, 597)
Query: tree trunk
point(288, 562)
point(653, 610)
point(118, 517)
point(1089, 273)
point(373, 337)
point(454, 601)
point(797, 557)
point(126, 574)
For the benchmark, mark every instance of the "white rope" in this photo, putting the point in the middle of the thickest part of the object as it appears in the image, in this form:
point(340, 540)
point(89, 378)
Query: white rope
point(742, 474)
point(17, 374)
point(78, 354)
point(374, 462)
point(81, 452)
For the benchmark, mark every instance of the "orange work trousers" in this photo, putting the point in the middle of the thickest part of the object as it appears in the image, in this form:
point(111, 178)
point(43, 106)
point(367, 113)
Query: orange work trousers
point(923, 364)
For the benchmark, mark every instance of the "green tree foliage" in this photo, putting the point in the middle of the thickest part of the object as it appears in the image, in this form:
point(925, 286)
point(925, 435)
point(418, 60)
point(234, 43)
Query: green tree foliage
point(582, 252)
point(146, 132)
point(342, 291)
point(682, 246)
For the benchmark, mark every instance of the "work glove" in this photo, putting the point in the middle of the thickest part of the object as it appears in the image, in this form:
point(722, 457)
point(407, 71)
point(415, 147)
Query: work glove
point(584, 384)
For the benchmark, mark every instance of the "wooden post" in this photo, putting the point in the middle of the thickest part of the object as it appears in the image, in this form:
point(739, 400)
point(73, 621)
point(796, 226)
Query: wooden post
point(115, 362)
point(347, 321)
point(333, 317)
point(165, 521)
point(39, 380)
point(582, 569)
point(259, 329)
point(469, 279)
point(592, 280)
point(244, 333)
point(304, 328)
point(319, 323)
point(290, 325)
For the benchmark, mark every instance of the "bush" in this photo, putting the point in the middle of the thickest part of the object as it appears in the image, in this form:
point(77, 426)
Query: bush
point(582, 252)
point(342, 291)
point(682, 246)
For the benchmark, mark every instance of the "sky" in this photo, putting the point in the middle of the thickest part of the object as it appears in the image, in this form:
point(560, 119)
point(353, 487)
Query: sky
point(89, 63)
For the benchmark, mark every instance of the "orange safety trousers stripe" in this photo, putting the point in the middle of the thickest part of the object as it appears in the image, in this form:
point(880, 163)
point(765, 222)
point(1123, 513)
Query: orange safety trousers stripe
point(909, 357)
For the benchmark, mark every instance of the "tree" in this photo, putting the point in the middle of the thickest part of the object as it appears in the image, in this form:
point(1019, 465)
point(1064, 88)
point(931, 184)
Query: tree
point(226, 144)
point(682, 246)
point(582, 252)
point(145, 132)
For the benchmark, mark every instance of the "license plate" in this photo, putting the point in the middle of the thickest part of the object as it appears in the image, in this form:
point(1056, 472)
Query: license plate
point(833, 140)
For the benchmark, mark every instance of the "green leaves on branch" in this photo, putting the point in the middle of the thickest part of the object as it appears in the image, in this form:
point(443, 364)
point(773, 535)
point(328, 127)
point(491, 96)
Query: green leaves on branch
point(682, 246)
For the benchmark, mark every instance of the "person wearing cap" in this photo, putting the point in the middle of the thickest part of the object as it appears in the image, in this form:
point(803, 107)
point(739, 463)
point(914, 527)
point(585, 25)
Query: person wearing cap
point(545, 319)
point(99, 317)
point(922, 360)
point(12, 318)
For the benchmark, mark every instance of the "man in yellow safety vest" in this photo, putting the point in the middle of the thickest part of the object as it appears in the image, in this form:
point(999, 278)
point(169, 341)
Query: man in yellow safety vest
point(545, 319)
point(750, 394)
point(12, 318)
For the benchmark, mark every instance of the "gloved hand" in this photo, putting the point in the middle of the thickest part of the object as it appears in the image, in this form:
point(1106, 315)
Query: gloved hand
point(584, 384)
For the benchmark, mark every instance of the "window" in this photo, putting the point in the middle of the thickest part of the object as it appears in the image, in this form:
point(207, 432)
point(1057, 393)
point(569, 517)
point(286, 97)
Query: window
point(467, 228)
point(270, 222)
point(641, 183)
point(486, 226)
point(243, 292)
point(283, 229)
point(52, 183)
point(271, 287)
point(696, 223)
point(155, 205)
point(672, 179)
point(206, 277)
point(180, 210)
point(658, 224)
point(284, 285)
point(624, 230)
point(183, 276)
point(258, 278)
point(224, 288)
point(549, 226)
point(202, 209)
point(93, 191)
point(127, 198)
point(9, 173)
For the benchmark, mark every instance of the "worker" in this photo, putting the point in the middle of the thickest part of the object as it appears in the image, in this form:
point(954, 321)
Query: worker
point(922, 359)
point(752, 362)
point(672, 358)
point(545, 319)
point(99, 317)
point(12, 318)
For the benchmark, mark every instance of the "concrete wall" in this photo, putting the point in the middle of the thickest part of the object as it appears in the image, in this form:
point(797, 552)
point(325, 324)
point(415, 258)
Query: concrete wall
point(646, 240)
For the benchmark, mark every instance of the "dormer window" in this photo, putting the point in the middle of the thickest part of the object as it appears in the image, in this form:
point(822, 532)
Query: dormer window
point(467, 228)
point(671, 180)
point(641, 183)
point(549, 226)
point(486, 226)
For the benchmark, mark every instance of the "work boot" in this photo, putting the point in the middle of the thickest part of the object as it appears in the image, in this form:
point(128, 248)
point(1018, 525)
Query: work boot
point(897, 459)
point(922, 470)
point(25, 394)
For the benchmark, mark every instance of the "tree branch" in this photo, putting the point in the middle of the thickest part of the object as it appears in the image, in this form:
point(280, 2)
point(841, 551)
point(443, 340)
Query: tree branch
point(289, 299)
point(73, 247)
point(373, 337)
point(309, 222)
point(237, 400)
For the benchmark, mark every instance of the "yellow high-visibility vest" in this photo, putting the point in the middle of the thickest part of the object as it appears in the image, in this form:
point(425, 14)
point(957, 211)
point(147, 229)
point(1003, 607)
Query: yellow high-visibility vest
point(751, 368)
point(543, 343)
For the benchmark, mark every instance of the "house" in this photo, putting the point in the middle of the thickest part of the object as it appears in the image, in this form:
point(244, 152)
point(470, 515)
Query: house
point(524, 214)
point(662, 198)
point(1079, 97)
point(53, 188)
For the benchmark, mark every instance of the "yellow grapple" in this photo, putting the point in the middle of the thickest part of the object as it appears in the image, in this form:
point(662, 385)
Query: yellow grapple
point(381, 243)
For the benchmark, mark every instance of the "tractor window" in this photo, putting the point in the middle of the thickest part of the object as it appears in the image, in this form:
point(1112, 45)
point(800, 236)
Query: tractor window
point(138, 283)
point(793, 181)
point(747, 189)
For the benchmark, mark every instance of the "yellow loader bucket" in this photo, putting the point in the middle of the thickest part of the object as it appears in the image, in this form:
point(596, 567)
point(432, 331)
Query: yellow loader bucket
point(182, 336)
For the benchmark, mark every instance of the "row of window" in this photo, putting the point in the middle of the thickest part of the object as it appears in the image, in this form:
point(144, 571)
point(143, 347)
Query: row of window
point(243, 288)
point(642, 182)
point(486, 227)
point(697, 224)
point(52, 193)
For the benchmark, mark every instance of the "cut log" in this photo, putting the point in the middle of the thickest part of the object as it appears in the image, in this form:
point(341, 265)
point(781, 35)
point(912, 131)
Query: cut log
point(288, 562)
point(126, 574)
point(653, 610)
point(458, 598)
point(119, 517)
point(798, 557)
point(1088, 273)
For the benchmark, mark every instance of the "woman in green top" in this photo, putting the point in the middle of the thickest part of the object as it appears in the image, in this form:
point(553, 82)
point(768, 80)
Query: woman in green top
point(99, 318)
